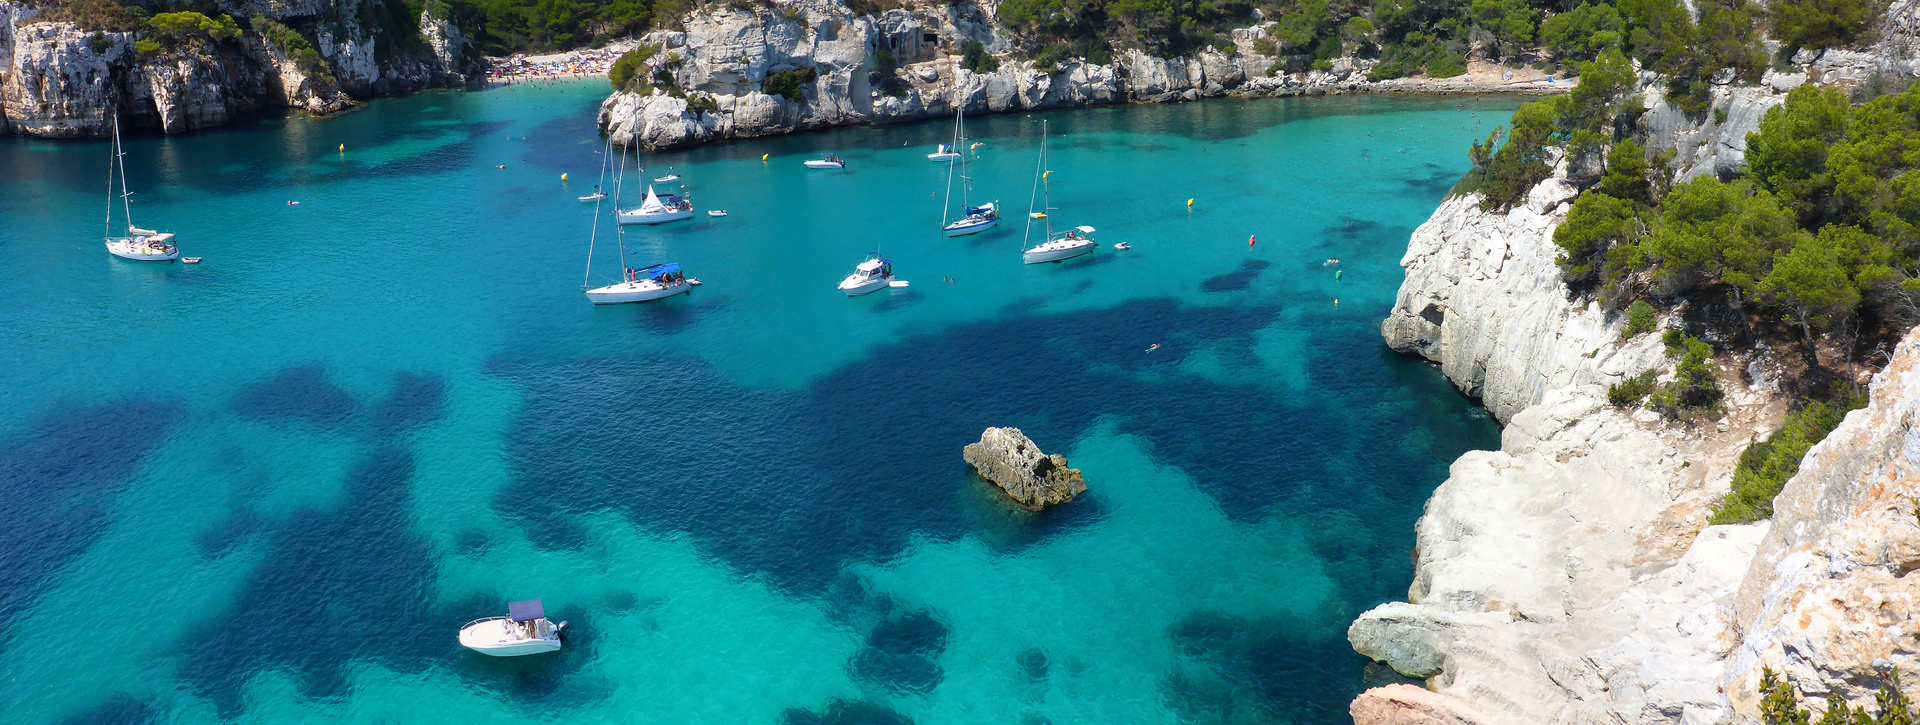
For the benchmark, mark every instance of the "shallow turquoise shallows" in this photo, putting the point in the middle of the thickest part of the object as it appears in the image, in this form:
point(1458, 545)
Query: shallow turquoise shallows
point(272, 486)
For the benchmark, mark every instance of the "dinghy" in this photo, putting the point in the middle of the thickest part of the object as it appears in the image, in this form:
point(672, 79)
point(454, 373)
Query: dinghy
point(826, 161)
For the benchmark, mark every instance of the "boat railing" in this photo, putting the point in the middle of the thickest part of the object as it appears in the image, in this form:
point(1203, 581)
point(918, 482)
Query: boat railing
point(477, 621)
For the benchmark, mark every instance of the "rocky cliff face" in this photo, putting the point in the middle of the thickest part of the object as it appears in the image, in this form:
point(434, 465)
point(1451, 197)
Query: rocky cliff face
point(1569, 576)
point(726, 54)
point(60, 81)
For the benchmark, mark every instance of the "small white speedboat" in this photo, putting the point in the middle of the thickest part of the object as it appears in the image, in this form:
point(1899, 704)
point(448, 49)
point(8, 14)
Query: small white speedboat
point(872, 275)
point(658, 210)
point(944, 153)
point(524, 631)
point(669, 178)
point(144, 248)
point(827, 161)
point(595, 196)
point(978, 219)
point(1122, 245)
point(645, 285)
point(1065, 245)
point(716, 212)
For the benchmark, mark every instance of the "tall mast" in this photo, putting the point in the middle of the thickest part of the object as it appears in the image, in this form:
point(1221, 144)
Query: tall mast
point(960, 147)
point(947, 203)
point(1039, 170)
point(110, 161)
point(587, 281)
point(119, 158)
point(1046, 199)
point(619, 232)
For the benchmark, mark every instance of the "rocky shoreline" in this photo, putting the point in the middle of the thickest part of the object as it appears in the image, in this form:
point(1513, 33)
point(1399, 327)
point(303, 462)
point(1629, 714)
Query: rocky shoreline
point(1571, 576)
point(719, 66)
point(58, 80)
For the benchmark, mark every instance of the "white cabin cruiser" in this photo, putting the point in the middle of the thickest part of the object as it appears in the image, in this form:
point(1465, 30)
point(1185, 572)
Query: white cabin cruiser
point(658, 210)
point(872, 275)
point(524, 631)
point(827, 161)
point(644, 285)
point(669, 178)
point(1065, 245)
point(595, 196)
point(944, 153)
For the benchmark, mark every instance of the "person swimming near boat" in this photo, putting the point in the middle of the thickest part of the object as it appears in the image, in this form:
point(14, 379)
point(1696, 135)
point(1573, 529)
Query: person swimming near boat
point(292, 203)
point(1153, 347)
point(1330, 263)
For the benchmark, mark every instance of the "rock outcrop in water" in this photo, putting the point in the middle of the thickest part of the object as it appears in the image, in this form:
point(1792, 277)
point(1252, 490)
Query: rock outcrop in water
point(60, 81)
point(1032, 479)
point(1571, 575)
point(726, 54)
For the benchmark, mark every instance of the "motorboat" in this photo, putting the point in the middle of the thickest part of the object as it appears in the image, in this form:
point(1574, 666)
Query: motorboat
point(944, 152)
point(644, 285)
point(1053, 247)
point(595, 196)
point(1065, 245)
point(140, 245)
point(669, 178)
point(872, 275)
point(978, 219)
point(658, 210)
point(716, 212)
point(1122, 245)
point(524, 631)
point(827, 161)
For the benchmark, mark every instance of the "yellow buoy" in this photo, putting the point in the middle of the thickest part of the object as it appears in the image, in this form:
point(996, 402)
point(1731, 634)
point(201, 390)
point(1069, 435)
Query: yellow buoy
point(563, 177)
point(1189, 202)
point(343, 148)
point(763, 157)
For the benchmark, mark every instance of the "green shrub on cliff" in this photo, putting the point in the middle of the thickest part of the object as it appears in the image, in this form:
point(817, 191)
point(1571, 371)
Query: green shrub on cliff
point(1628, 393)
point(295, 47)
point(98, 15)
point(1766, 465)
point(1779, 704)
point(628, 66)
point(1819, 24)
point(190, 29)
point(788, 83)
point(974, 57)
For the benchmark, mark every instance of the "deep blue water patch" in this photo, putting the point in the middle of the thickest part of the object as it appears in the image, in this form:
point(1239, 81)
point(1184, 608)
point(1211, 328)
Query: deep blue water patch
point(119, 709)
point(336, 585)
point(1436, 181)
point(1236, 280)
point(301, 394)
point(58, 483)
point(902, 653)
point(795, 484)
point(845, 712)
point(1234, 669)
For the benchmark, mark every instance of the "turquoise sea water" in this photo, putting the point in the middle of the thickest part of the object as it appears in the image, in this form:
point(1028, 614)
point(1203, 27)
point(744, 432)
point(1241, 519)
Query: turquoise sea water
point(270, 487)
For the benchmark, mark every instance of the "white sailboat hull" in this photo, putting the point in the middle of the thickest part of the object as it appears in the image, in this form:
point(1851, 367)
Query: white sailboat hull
point(642, 291)
point(637, 217)
point(496, 637)
point(1057, 250)
point(142, 251)
point(825, 164)
point(946, 157)
point(971, 225)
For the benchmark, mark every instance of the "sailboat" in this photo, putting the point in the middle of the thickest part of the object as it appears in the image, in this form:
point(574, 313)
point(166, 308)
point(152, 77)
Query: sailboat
point(142, 245)
point(1055, 247)
point(658, 209)
point(975, 219)
point(636, 285)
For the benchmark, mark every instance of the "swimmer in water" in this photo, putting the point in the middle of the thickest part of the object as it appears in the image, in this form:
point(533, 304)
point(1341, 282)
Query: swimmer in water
point(1331, 262)
point(1155, 346)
